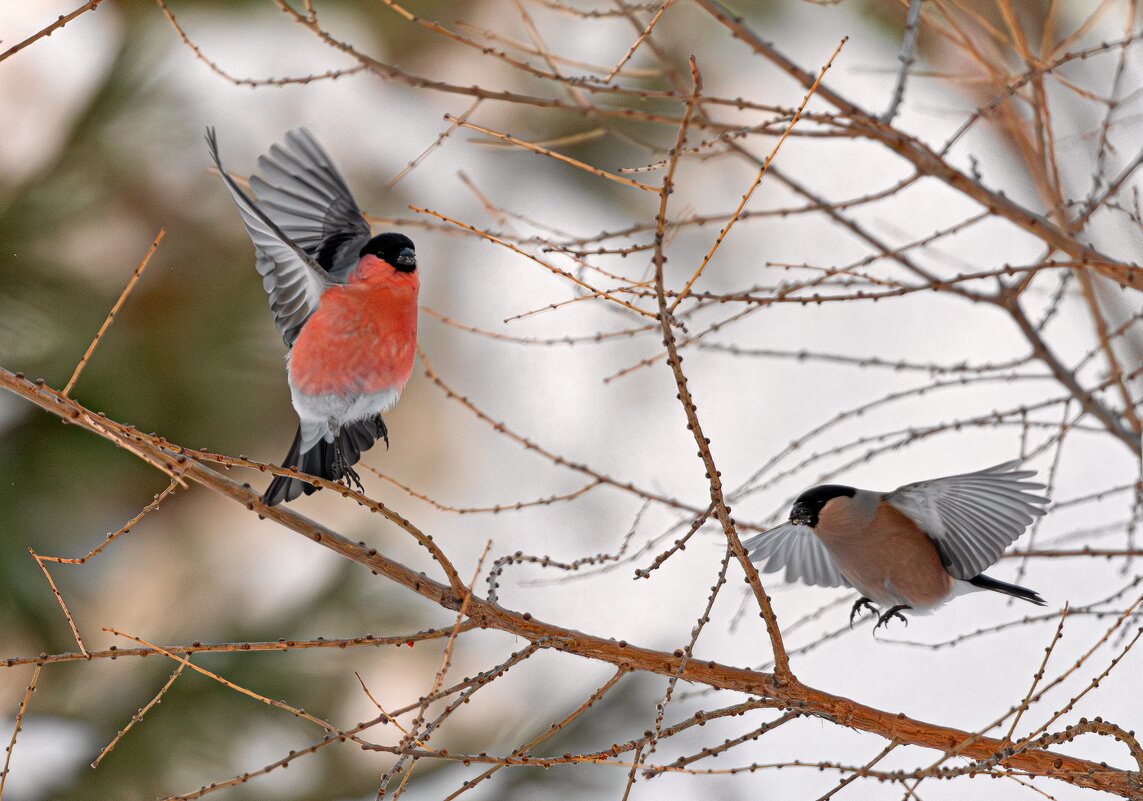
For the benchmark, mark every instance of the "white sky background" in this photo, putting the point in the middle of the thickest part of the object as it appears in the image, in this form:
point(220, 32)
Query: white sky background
point(630, 429)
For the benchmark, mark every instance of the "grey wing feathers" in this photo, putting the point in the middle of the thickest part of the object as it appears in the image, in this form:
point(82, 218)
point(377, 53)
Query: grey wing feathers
point(292, 279)
point(796, 549)
point(306, 196)
point(972, 517)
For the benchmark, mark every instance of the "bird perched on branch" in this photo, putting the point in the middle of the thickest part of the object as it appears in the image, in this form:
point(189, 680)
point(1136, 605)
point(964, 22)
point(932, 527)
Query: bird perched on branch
point(913, 548)
point(344, 302)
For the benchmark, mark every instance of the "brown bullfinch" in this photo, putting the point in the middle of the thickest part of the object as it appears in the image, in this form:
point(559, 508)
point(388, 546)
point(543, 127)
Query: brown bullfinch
point(913, 548)
point(344, 302)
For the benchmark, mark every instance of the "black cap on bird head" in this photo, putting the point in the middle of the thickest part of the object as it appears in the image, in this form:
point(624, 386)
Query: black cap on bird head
point(394, 249)
point(809, 504)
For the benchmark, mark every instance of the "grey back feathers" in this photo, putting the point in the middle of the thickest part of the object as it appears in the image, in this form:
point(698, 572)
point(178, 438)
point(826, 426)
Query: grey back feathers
point(306, 228)
point(972, 517)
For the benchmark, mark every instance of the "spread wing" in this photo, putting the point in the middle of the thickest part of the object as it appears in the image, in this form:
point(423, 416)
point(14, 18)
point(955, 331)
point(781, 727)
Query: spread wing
point(973, 517)
point(796, 549)
point(291, 277)
point(305, 195)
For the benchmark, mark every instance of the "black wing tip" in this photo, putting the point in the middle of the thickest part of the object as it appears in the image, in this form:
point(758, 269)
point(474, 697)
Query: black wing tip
point(284, 489)
point(212, 147)
point(988, 583)
point(1032, 597)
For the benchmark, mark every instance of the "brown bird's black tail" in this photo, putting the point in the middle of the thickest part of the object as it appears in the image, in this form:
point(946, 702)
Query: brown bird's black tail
point(331, 460)
point(986, 583)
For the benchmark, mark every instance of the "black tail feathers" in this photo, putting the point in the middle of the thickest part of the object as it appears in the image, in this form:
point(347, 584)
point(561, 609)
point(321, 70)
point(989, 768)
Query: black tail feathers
point(323, 459)
point(986, 583)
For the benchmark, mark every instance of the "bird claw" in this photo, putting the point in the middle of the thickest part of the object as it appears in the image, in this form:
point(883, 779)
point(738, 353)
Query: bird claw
point(857, 607)
point(353, 480)
point(894, 612)
point(349, 476)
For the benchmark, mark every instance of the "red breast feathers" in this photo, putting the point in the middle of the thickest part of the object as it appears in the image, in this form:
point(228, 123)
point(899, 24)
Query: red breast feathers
point(363, 336)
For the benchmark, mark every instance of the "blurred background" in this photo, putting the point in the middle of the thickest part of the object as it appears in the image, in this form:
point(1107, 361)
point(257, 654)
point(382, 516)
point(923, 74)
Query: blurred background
point(102, 129)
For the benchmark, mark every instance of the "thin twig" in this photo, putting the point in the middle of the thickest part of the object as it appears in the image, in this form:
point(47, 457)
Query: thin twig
point(114, 310)
point(907, 55)
point(282, 645)
point(1038, 675)
point(63, 606)
point(50, 29)
point(441, 137)
point(543, 151)
point(757, 179)
point(138, 716)
point(126, 528)
point(300, 713)
point(638, 41)
point(550, 267)
point(16, 730)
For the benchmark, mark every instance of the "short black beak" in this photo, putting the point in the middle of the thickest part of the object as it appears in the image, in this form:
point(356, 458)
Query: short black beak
point(800, 515)
point(406, 260)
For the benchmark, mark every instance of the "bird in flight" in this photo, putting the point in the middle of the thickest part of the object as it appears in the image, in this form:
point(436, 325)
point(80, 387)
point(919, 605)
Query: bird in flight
point(913, 548)
point(345, 303)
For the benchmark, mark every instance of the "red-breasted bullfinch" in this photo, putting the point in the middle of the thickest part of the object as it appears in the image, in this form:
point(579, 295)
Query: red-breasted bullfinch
point(913, 548)
point(344, 302)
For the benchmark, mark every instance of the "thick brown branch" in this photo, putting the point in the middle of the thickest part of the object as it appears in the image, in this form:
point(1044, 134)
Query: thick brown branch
point(482, 613)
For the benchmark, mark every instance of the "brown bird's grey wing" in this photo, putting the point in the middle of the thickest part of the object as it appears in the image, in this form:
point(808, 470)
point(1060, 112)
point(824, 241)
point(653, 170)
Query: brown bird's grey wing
point(796, 549)
point(291, 277)
point(305, 195)
point(972, 517)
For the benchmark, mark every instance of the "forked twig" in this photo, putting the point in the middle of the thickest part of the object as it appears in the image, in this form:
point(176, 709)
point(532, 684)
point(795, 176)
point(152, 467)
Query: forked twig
point(60, 600)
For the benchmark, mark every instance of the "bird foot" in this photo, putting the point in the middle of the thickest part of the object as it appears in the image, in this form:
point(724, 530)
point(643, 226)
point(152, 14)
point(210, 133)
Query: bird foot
point(349, 476)
point(861, 603)
point(384, 430)
point(352, 479)
point(894, 612)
